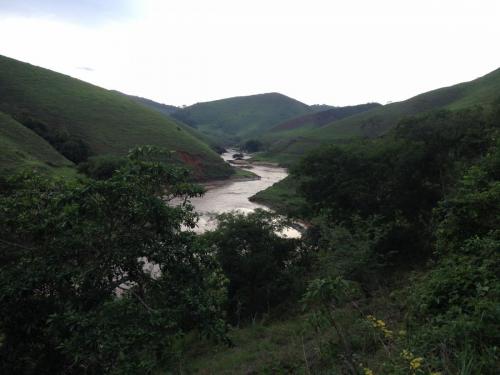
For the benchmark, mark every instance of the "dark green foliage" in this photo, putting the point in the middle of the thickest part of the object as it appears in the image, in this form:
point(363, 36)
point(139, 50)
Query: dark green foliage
point(399, 178)
point(22, 148)
point(68, 249)
point(385, 204)
point(101, 167)
point(261, 266)
point(349, 252)
point(455, 307)
point(252, 145)
point(73, 149)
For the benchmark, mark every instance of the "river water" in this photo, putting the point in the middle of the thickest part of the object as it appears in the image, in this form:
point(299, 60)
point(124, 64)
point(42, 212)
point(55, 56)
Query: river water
point(227, 196)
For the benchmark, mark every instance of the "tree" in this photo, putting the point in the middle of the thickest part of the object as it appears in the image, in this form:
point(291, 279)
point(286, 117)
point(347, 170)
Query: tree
point(252, 145)
point(97, 276)
point(260, 265)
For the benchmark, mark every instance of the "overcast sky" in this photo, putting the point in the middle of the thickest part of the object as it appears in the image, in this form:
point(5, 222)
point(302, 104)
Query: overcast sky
point(337, 52)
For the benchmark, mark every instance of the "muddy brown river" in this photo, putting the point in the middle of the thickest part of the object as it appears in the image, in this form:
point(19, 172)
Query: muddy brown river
point(230, 196)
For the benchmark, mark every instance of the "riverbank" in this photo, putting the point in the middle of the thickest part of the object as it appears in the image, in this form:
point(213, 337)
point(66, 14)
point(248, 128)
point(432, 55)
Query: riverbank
point(282, 197)
point(234, 194)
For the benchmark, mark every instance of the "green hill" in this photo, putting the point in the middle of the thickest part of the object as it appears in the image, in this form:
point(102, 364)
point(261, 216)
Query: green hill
point(232, 119)
point(166, 109)
point(23, 148)
point(377, 121)
point(104, 121)
point(318, 119)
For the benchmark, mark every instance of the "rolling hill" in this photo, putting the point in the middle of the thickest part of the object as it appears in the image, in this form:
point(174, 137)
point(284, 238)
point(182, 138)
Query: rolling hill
point(377, 121)
point(104, 121)
point(22, 148)
point(241, 117)
point(318, 119)
point(166, 109)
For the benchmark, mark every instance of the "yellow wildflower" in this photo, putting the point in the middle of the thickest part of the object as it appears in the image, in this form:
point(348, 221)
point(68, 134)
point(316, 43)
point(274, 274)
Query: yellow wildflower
point(406, 354)
point(380, 325)
point(367, 371)
point(415, 363)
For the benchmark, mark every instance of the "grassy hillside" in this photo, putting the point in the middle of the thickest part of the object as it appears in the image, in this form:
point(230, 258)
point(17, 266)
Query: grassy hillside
point(379, 120)
point(23, 148)
point(314, 120)
point(167, 111)
point(160, 107)
point(241, 117)
point(107, 122)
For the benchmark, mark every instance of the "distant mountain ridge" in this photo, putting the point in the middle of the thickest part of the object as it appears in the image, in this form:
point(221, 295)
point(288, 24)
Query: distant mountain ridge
point(377, 121)
point(160, 107)
point(240, 117)
point(318, 119)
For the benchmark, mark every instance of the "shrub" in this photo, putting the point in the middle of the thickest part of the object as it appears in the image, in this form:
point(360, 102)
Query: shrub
point(98, 277)
point(262, 267)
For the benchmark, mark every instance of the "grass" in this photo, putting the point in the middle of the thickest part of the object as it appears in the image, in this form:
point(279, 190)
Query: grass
point(23, 149)
point(290, 145)
point(281, 197)
point(109, 122)
point(243, 174)
point(317, 119)
point(241, 117)
point(291, 345)
point(276, 348)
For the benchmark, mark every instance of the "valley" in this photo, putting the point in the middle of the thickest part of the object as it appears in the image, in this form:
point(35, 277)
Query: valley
point(224, 197)
point(395, 273)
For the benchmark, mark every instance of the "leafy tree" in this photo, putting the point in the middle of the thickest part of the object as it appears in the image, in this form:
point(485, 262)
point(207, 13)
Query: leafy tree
point(399, 178)
point(252, 145)
point(98, 277)
point(101, 167)
point(74, 149)
point(454, 308)
point(261, 266)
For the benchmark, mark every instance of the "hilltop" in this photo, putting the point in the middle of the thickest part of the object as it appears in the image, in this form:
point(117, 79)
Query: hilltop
point(321, 118)
point(377, 121)
point(235, 118)
point(95, 121)
point(166, 109)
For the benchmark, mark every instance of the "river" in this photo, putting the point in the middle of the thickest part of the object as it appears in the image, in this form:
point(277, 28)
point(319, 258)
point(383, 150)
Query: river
point(227, 196)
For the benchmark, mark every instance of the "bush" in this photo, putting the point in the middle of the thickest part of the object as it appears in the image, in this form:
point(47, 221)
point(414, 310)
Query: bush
point(98, 277)
point(74, 149)
point(454, 310)
point(252, 145)
point(101, 167)
point(263, 268)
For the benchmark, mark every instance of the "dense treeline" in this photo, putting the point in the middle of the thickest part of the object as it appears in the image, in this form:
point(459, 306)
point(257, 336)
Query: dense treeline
point(100, 276)
point(96, 276)
point(74, 149)
point(425, 198)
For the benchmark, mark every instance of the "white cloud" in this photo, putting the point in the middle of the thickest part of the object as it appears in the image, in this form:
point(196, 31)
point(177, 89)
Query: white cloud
point(336, 52)
point(89, 12)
